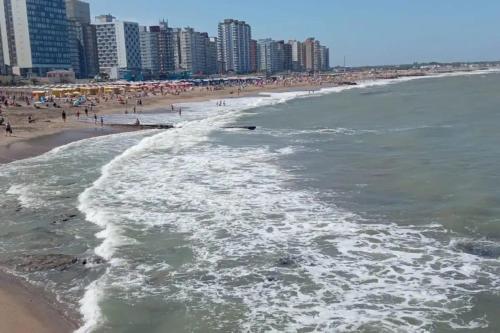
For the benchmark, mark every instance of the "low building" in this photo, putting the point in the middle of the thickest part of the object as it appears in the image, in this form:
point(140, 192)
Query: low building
point(61, 76)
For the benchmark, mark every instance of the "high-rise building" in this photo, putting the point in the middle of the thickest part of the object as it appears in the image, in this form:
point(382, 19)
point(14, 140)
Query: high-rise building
point(82, 39)
point(212, 56)
point(309, 54)
point(325, 58)
point(269, 59)
point(234, 46)
point(253, 56)
point(78, 10)
point(287, 57)
point(150, 53)
point(166, 45)
point(176, 38)
point(118, 44)
point(317, 56)
point(34, 36)
point(194, 52)
point(297, 55)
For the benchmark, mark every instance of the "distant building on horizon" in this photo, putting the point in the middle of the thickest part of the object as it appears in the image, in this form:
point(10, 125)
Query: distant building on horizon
point(298, 55)
point(325, 58)
point(82, 39)
point(34, 36)
point(253, 56)
point(234, 46)
point(118, 44)
point(268, 56)
point(150, 52)
point(166, 45)
point(309, 54)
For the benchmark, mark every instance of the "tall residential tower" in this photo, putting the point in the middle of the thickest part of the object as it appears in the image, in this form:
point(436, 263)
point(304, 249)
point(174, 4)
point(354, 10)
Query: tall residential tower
point(118, 45)
point(234, 46)
point(34, 36)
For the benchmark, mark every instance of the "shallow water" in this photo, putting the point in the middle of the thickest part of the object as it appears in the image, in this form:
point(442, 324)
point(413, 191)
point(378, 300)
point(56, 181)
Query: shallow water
point(368, 209)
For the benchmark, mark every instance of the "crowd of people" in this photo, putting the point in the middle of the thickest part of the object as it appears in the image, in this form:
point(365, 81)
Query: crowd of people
point(132, 100)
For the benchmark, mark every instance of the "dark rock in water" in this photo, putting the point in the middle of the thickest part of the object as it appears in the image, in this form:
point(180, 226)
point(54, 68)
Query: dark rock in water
point(272, 279)
point(64, 218)
point(483, 249)
point(59, 262)
point(287, 262)
point(37, 263)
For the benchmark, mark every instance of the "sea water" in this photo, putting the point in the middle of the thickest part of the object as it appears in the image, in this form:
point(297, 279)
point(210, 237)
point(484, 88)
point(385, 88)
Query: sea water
point(354, 209)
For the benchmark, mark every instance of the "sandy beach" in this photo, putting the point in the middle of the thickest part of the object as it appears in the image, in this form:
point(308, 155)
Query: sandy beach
point(47, 122)
point(25, 309)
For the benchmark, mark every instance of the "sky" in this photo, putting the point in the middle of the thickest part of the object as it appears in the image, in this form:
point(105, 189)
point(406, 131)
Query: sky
point(365, 32)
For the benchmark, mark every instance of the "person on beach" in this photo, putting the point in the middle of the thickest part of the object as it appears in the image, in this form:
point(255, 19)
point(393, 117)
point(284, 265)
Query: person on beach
point(134, 109)
point(8, 129)
point(95, 118)
point(78, 114)
point(180, 111)
point(86, 112)
point(102, 121)
point(63, 115)
point(137, 122)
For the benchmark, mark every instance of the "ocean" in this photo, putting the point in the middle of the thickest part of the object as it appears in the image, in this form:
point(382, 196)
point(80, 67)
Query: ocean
point(373, 208)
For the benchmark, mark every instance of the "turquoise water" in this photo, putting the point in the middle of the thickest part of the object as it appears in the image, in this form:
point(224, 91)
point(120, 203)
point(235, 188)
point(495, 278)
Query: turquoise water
point(372, 209)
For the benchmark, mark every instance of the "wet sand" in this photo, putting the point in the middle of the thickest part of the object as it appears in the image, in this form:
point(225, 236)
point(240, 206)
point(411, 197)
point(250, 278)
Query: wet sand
point(22, 149)
point(24, 309)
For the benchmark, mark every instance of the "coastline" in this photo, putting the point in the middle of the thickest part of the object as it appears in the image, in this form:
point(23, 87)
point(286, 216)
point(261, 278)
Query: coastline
point(49, 123)
point(23, 307)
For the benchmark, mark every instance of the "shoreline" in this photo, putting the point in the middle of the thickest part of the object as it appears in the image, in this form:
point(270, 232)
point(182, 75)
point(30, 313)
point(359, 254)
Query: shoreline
point(24, 308)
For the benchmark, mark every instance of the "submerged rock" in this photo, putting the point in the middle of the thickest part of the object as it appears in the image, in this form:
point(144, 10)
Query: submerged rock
point(59, 262)
point(483, 249)
point(64, 218)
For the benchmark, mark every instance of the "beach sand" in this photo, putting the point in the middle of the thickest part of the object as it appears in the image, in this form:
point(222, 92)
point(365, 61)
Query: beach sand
point(49, 121)
point(24, 309)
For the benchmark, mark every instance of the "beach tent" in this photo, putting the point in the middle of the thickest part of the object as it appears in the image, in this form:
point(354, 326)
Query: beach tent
point(38, 94)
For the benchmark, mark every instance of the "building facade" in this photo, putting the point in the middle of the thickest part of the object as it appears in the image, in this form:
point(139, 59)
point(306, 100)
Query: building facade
point(325, 58)
point(212, 67)
point(166, 45)
point(309, 54)
point(195, 52)
point(234, 46)
point(297, 55)
point(34, 36)
point(82, 39)
point(150, 52)
point(118, 44)
point(253, 56)
point(269, 58)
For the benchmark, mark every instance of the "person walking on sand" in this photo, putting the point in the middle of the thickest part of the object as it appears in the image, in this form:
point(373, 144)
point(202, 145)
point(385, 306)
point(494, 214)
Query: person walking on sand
point(102, 121)
point(78, 114)
point(180, 111)
point(86, 112)
point(95, 118)
point(8, 129)
point(63, 115)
